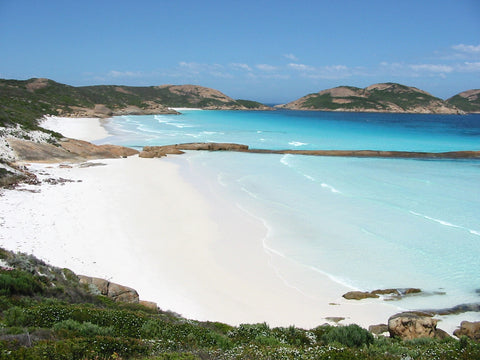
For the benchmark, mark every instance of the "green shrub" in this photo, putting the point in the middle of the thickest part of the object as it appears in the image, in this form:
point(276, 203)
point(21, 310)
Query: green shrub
point(16, 316)
point(351, 336)
point(15, 282)
point(86, 329)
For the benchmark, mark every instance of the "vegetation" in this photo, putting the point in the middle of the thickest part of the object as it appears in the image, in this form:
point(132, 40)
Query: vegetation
point(24, 102)
point(249, 104)
point(467, 104)
point(379, 99)
point(45, 313)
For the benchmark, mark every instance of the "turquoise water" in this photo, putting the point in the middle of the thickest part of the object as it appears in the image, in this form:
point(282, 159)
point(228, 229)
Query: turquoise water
point(367, 223)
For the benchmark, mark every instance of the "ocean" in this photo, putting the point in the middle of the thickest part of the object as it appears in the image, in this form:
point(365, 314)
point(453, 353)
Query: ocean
point(368, 223)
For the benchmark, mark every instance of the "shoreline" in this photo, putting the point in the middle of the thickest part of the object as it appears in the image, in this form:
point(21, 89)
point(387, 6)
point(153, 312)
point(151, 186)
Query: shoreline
point(165, 236)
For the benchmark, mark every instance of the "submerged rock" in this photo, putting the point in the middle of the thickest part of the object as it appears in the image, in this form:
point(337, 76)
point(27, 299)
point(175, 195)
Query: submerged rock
point(390, 293)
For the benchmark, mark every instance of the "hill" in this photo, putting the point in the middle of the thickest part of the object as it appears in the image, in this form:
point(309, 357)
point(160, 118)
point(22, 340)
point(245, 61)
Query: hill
point(468, 101)
point(385, 97)
point(24, 102)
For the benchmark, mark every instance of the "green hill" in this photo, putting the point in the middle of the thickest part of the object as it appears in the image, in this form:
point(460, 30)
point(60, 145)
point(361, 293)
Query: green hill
point(468, 101)
point(24, 102)
point(47, 313)
point(387, 97)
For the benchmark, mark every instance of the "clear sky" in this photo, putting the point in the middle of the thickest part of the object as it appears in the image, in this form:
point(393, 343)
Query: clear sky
point(270, 51)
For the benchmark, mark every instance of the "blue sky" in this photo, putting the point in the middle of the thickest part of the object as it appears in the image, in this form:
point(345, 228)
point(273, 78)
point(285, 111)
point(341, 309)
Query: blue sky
point(270, 51)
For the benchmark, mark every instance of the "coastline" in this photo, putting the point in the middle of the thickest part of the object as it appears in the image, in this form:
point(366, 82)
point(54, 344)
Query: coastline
point(176, 242)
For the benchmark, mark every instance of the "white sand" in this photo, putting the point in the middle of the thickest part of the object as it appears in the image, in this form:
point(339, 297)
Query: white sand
point(87, 129)
point(139, 223)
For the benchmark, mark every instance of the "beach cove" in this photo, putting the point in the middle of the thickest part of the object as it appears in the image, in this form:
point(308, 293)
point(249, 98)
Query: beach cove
point(155, 225)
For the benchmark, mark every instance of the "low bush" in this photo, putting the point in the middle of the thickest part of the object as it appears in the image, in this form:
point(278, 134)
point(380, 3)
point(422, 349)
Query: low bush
point(15, 282)
point(70, 328)
point(351, 336)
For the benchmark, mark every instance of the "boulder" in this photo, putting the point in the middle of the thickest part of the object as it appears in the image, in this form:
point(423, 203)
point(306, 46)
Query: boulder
point(407, 326)
point(122, 293)
point(359, 295)
point(378, 329)
point(114, 291)
point(149, 304)
point(469, 329)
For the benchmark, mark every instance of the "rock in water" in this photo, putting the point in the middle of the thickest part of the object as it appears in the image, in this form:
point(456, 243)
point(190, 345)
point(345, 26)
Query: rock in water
point(359, 295)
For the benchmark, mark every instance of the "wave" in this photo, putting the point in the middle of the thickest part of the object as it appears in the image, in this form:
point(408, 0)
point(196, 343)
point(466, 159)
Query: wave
point(331, 188)
point(285, 161)
point(339, 280)
point(446, 223)
point(297, 143)
point(179, 125)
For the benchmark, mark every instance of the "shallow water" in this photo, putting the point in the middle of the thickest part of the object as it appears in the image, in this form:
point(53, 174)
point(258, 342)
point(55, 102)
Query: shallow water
point(367, 223)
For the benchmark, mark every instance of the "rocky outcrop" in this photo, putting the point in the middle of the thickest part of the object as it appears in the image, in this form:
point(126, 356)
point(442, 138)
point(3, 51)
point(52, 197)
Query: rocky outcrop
point(458, 309)
point(112, 290)
point(388, 293)
point(160, 151)
point(67, 150)
point(385, 97)
point(469, 329)
point(407, 326)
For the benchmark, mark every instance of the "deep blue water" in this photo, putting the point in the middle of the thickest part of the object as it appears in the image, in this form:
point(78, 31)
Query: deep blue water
point(367, 223)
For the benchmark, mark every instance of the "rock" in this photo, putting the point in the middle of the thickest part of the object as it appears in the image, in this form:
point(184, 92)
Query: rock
point(469, 329)
point(112, 290)
point(407, 326)
point(386, 292)
point(122, 293)
point(68, 150)
point(359, 295)
point(378, 329)
point(441, 334)
point(149, 304)
point(458, 309)
point(160, 151)
point(411, 291)
point(335, 319)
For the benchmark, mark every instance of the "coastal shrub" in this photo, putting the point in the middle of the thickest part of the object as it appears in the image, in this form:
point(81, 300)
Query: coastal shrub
point(185, 335)
point(125, 323)
point(100, 347)
point(16, 316)
point(294, 336)
point(87, 329)
point(15, 282)
point(249, 332)
point(351, 336)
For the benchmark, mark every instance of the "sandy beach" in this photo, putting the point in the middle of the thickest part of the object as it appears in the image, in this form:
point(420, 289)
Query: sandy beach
point(142, 223)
